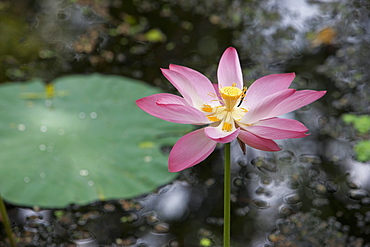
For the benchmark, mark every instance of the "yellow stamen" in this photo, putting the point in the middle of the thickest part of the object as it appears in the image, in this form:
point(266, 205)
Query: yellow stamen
point(213, 119)
point(226, 127)
point(212, 94)
point(207, 108)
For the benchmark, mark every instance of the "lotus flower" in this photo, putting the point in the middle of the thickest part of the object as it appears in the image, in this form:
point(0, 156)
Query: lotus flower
point(229, 110)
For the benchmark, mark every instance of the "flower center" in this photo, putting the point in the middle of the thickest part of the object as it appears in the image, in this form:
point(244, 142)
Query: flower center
point(231, 96)
point(230, 92)
point(228, 112)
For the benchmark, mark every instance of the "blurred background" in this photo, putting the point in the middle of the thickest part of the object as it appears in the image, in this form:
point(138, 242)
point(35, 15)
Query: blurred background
point(315, 192)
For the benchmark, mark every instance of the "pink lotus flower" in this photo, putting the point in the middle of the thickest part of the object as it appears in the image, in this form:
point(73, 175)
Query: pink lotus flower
point(230, 111)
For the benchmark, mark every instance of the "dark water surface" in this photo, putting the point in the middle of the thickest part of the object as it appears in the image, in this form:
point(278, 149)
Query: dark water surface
point(315, 192)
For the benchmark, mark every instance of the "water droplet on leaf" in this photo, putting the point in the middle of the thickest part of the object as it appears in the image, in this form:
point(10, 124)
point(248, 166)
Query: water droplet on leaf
point(84, 173)
point(42, 147)
point(61, 132)
point(148, 158)
point(48, 103)
point(21, 127)
point(93, 115)
point(43, 128)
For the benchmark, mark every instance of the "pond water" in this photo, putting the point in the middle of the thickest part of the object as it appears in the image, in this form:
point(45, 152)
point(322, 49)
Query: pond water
point(315, 192)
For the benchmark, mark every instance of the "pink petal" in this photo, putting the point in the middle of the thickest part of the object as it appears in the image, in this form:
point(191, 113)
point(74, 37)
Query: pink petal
point(278, 128)
point(229, 70)
point(283, 123)
point(266, 86)
point(265, 106)
point(218, 135)
point(295, 101)
point(258, 142)
point(190, 150)
point(203, 85)
point(171, 108)
point(184, 86)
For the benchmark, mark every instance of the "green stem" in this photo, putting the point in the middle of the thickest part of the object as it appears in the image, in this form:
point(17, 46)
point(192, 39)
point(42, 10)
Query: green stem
point(8, 229)
point(227, 188)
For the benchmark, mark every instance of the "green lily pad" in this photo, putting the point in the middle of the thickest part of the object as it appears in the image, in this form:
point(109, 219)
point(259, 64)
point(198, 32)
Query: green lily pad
point(85, 141)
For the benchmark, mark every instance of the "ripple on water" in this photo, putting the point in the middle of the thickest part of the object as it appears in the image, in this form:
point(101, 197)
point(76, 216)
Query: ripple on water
point(242, 161)
point(161, 227)
point(314, 173)
point(129, 218)
point(238, 182)
point(241, 211)
point(357, 194)
point(353, 185)
point(263, 191)
point(292, 199)
point(260, 204)
point(286, 157)
point(365, 201)
point(251, 175)
point(285, 210)
point(331, 186)
point(310, 159)
point(265, 165)
point(319, 202)
point(294, 182)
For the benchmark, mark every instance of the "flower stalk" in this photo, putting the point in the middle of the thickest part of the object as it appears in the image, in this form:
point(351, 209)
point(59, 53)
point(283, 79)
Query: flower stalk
point(227, 182)
point(6, 223)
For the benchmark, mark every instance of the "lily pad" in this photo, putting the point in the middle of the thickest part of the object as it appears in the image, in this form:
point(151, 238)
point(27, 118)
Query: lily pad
point(81, 141)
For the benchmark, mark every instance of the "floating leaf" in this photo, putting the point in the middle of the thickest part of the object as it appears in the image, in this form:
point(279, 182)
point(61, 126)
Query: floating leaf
point(362, 150)
point(85, 141)
point(361, 123)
